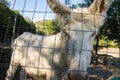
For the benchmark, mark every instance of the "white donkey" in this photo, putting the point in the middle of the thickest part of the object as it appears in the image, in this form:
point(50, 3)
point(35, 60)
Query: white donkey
point(66, 55)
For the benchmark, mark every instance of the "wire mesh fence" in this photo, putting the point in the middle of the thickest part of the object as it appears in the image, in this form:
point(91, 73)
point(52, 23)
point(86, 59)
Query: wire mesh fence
point(46, 49)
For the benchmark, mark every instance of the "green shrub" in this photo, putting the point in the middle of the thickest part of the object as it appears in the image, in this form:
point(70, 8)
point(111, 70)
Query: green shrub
point(105, 41)
point(46, 27)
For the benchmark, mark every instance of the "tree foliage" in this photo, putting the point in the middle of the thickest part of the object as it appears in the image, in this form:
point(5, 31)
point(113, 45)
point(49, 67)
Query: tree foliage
point(46, 27)
point(4, 2)
point(7, 22)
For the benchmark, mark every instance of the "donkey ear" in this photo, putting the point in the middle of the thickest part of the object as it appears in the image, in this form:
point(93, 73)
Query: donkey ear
point(99, 6)
point(58, 7)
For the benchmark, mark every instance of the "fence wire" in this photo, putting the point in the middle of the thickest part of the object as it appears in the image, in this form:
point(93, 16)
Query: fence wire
point(105, 61)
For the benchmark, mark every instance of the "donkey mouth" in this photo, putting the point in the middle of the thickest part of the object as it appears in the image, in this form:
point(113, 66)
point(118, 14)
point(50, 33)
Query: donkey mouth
point(75, 75)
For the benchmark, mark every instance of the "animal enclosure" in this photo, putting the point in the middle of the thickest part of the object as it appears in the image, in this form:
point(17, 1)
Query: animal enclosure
point(79, 43)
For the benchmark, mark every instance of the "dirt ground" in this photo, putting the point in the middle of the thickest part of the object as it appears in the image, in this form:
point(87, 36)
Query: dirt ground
point(107, 65)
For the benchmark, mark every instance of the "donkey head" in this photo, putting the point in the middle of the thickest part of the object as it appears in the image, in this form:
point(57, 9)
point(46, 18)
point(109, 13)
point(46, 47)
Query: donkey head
point(82, 25)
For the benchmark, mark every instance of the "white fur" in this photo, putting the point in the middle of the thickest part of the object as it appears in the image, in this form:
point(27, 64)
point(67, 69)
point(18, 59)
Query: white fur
point(57, 57)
